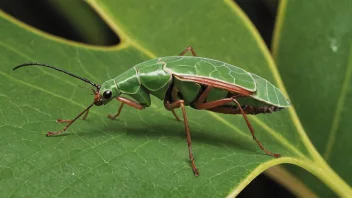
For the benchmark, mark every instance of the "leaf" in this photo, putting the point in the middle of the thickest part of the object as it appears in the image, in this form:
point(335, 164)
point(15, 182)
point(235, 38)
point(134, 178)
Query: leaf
point(83, 21)
point(315, 61)
point(143, 152)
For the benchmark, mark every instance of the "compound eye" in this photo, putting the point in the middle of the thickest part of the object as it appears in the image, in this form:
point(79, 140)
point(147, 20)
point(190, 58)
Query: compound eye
point(107, 94)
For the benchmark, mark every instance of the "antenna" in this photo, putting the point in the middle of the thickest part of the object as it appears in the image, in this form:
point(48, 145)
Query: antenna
point(57, 69)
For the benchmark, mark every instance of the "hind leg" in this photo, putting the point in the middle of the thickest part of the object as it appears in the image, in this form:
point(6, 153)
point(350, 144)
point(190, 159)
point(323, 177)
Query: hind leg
point(201, 104)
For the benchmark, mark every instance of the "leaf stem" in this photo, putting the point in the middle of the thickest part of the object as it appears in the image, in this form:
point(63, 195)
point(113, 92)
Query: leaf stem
point(327, 175)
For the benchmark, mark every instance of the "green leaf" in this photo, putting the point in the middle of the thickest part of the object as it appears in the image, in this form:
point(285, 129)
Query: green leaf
point(143, 152)
point(83, 21)
point(313, 49)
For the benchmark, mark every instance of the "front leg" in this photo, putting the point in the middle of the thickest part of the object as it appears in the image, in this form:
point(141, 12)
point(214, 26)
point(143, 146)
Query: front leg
point(50, 133)
point(68, 121)
point(129, 103)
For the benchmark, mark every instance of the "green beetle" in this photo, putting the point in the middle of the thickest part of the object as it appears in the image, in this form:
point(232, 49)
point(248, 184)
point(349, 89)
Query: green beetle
point(180, 81)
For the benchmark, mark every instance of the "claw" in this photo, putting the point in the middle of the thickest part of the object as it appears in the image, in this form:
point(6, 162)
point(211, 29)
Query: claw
point(111, 117)
point(277, 155)
point(196, 172)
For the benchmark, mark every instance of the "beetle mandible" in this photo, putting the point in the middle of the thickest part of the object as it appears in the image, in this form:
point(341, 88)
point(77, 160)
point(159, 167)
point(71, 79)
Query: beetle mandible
point(180, 81)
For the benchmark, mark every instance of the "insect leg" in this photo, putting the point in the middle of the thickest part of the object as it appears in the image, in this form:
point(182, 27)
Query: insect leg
point(171, 94)
point(221, 102)
point(204, 95)
point(129, 103)
point(85, 115)
point(252, 130)
point(67, 121)
point(63, 121)
point(69, 124)
point(118, 112)
point(167, 102)
point(176, 116)
point(188, 49)
point(178, 104)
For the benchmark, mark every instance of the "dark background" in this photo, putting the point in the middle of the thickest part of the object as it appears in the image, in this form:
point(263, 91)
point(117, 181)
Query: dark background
point(46, 16)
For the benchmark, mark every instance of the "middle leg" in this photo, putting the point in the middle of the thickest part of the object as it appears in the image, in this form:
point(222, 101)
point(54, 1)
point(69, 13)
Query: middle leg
point(171, 107)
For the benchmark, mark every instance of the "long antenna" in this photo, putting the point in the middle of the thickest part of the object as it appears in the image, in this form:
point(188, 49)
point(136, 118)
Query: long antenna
point(57, 69)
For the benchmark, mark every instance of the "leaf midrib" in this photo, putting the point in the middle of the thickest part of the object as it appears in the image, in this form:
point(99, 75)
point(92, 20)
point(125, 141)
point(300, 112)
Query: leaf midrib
point(339, 108)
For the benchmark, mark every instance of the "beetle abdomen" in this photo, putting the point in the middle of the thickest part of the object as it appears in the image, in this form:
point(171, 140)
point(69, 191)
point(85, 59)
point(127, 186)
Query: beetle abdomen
point(248, 109)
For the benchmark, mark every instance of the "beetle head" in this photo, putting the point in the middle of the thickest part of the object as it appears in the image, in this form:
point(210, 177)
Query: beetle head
point(106, 93)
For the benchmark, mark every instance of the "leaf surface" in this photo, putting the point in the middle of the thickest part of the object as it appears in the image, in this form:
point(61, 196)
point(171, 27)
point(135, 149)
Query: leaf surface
point(143, 152)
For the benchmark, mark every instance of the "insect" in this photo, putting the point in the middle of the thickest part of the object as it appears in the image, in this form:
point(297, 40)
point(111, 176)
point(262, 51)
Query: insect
point(180, 81)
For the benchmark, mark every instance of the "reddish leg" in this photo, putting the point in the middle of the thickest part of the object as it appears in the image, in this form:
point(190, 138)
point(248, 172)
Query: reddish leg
point(174, 113)
point(178, 104)
point(117, 114)
point(85, 115)
point(67, 121)
point(63, 121)
point(201, 105)
point(189, 48)
point(174, 95)
point(69, 124)
point(204, 95)
point(129, 103)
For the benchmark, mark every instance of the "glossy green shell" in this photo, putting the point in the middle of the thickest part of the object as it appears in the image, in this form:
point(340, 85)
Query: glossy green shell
point(211, 69)
point(155, 76)
point(262, 89)
point(268, 93)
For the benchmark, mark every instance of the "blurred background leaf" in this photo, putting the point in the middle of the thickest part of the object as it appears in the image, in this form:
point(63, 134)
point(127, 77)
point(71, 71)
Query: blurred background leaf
point(313, 51)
